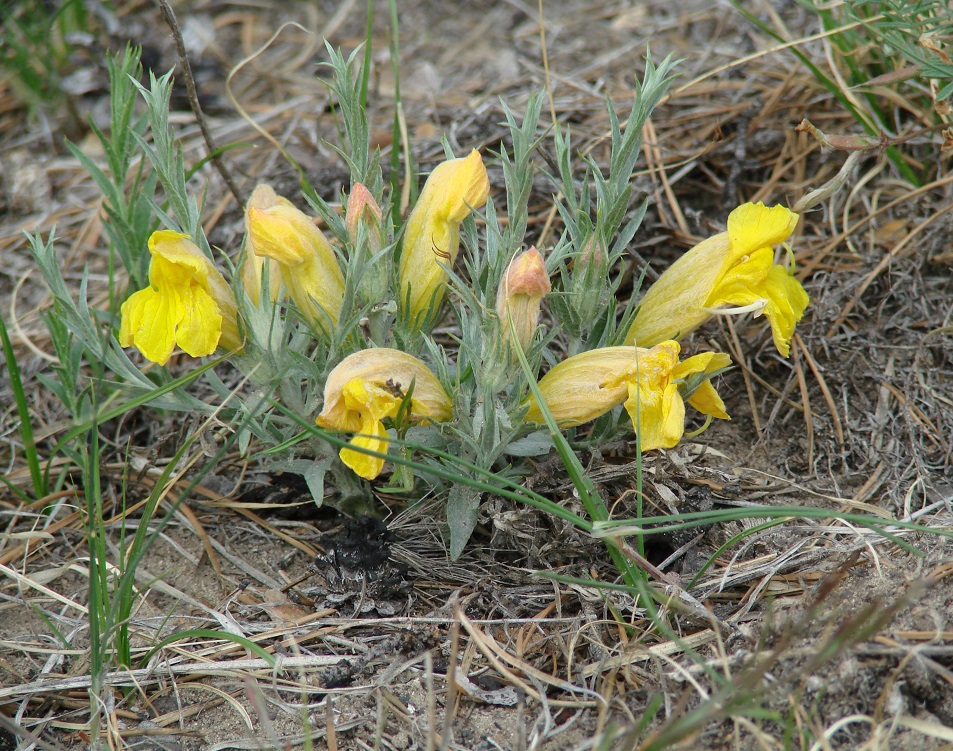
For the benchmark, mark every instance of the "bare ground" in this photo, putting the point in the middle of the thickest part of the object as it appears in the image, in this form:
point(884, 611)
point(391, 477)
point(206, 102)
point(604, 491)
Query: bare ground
point(824, 633)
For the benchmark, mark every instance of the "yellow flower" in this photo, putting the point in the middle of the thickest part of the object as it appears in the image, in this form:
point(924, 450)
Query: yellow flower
point(655, 402)
point(187, 303)
point(262, 198)
point(518, 299)
point(652, 384)
point(369, 386)
point(308, 265)
point(432, 233)
point(735, 268)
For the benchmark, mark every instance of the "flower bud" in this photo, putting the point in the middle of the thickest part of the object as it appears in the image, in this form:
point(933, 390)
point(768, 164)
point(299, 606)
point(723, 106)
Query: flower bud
point(309, 268)
point(592, 255)
point(432, 232)
point(518, 299)
point(362, 207)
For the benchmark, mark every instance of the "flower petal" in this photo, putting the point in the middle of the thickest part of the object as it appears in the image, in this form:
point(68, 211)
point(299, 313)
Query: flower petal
point(753, 226)
point(149, 322)
point(187, 302)
point(672, 307)
point(372, 401)
point(131, 314)
point(585, 386)
point(706, 400)
point(787, 301)
point(729, 269)
point(654, 402)
point(705, 362)
point(371, 385)
point(432, 232)
point(744, 283)
point(373, 404)
point(365, 465)
point(200, 328)
point(466, 186)
point(657, 416)
point(253, 264)
point(309, 267)
point(650, 382)
point(390, 369)
point(176, 259)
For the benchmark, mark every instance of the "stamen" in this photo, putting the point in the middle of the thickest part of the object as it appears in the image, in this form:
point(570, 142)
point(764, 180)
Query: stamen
point(756, 307)
point(702, 429)
point(790, 256)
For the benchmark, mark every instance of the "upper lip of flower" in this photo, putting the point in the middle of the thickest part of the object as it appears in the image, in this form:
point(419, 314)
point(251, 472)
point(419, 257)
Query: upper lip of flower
point(309, 267)
point(383, 366)
point(592, 384)
point(252, 271)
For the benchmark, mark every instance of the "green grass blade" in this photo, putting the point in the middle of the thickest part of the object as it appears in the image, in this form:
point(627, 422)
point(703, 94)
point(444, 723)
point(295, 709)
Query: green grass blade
point(138, 401)
point(592, 501)
point(208, 633)
point(23, 411)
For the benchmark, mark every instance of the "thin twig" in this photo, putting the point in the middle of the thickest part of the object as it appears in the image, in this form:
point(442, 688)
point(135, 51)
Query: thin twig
point(450, 701)
point(169, 16)
point(542, 44)
point(126, 677)
point(815, 369)
point(805, 400)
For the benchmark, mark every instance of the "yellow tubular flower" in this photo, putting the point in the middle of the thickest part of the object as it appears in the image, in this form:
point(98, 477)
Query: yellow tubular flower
point(585, 386)
point(187, 303)
point(262, 198)
point(735, 268)
point(432, 232)
point(648, 381)
point(308, 265)
point(521, 291)
point(369, 386)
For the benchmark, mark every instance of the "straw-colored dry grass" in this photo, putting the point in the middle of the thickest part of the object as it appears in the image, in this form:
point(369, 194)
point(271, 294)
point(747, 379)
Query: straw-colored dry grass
point(859, 419)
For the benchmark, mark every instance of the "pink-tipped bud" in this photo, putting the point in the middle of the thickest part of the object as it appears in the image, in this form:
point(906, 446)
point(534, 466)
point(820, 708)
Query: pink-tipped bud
point(518, 299)
point(361, 206)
